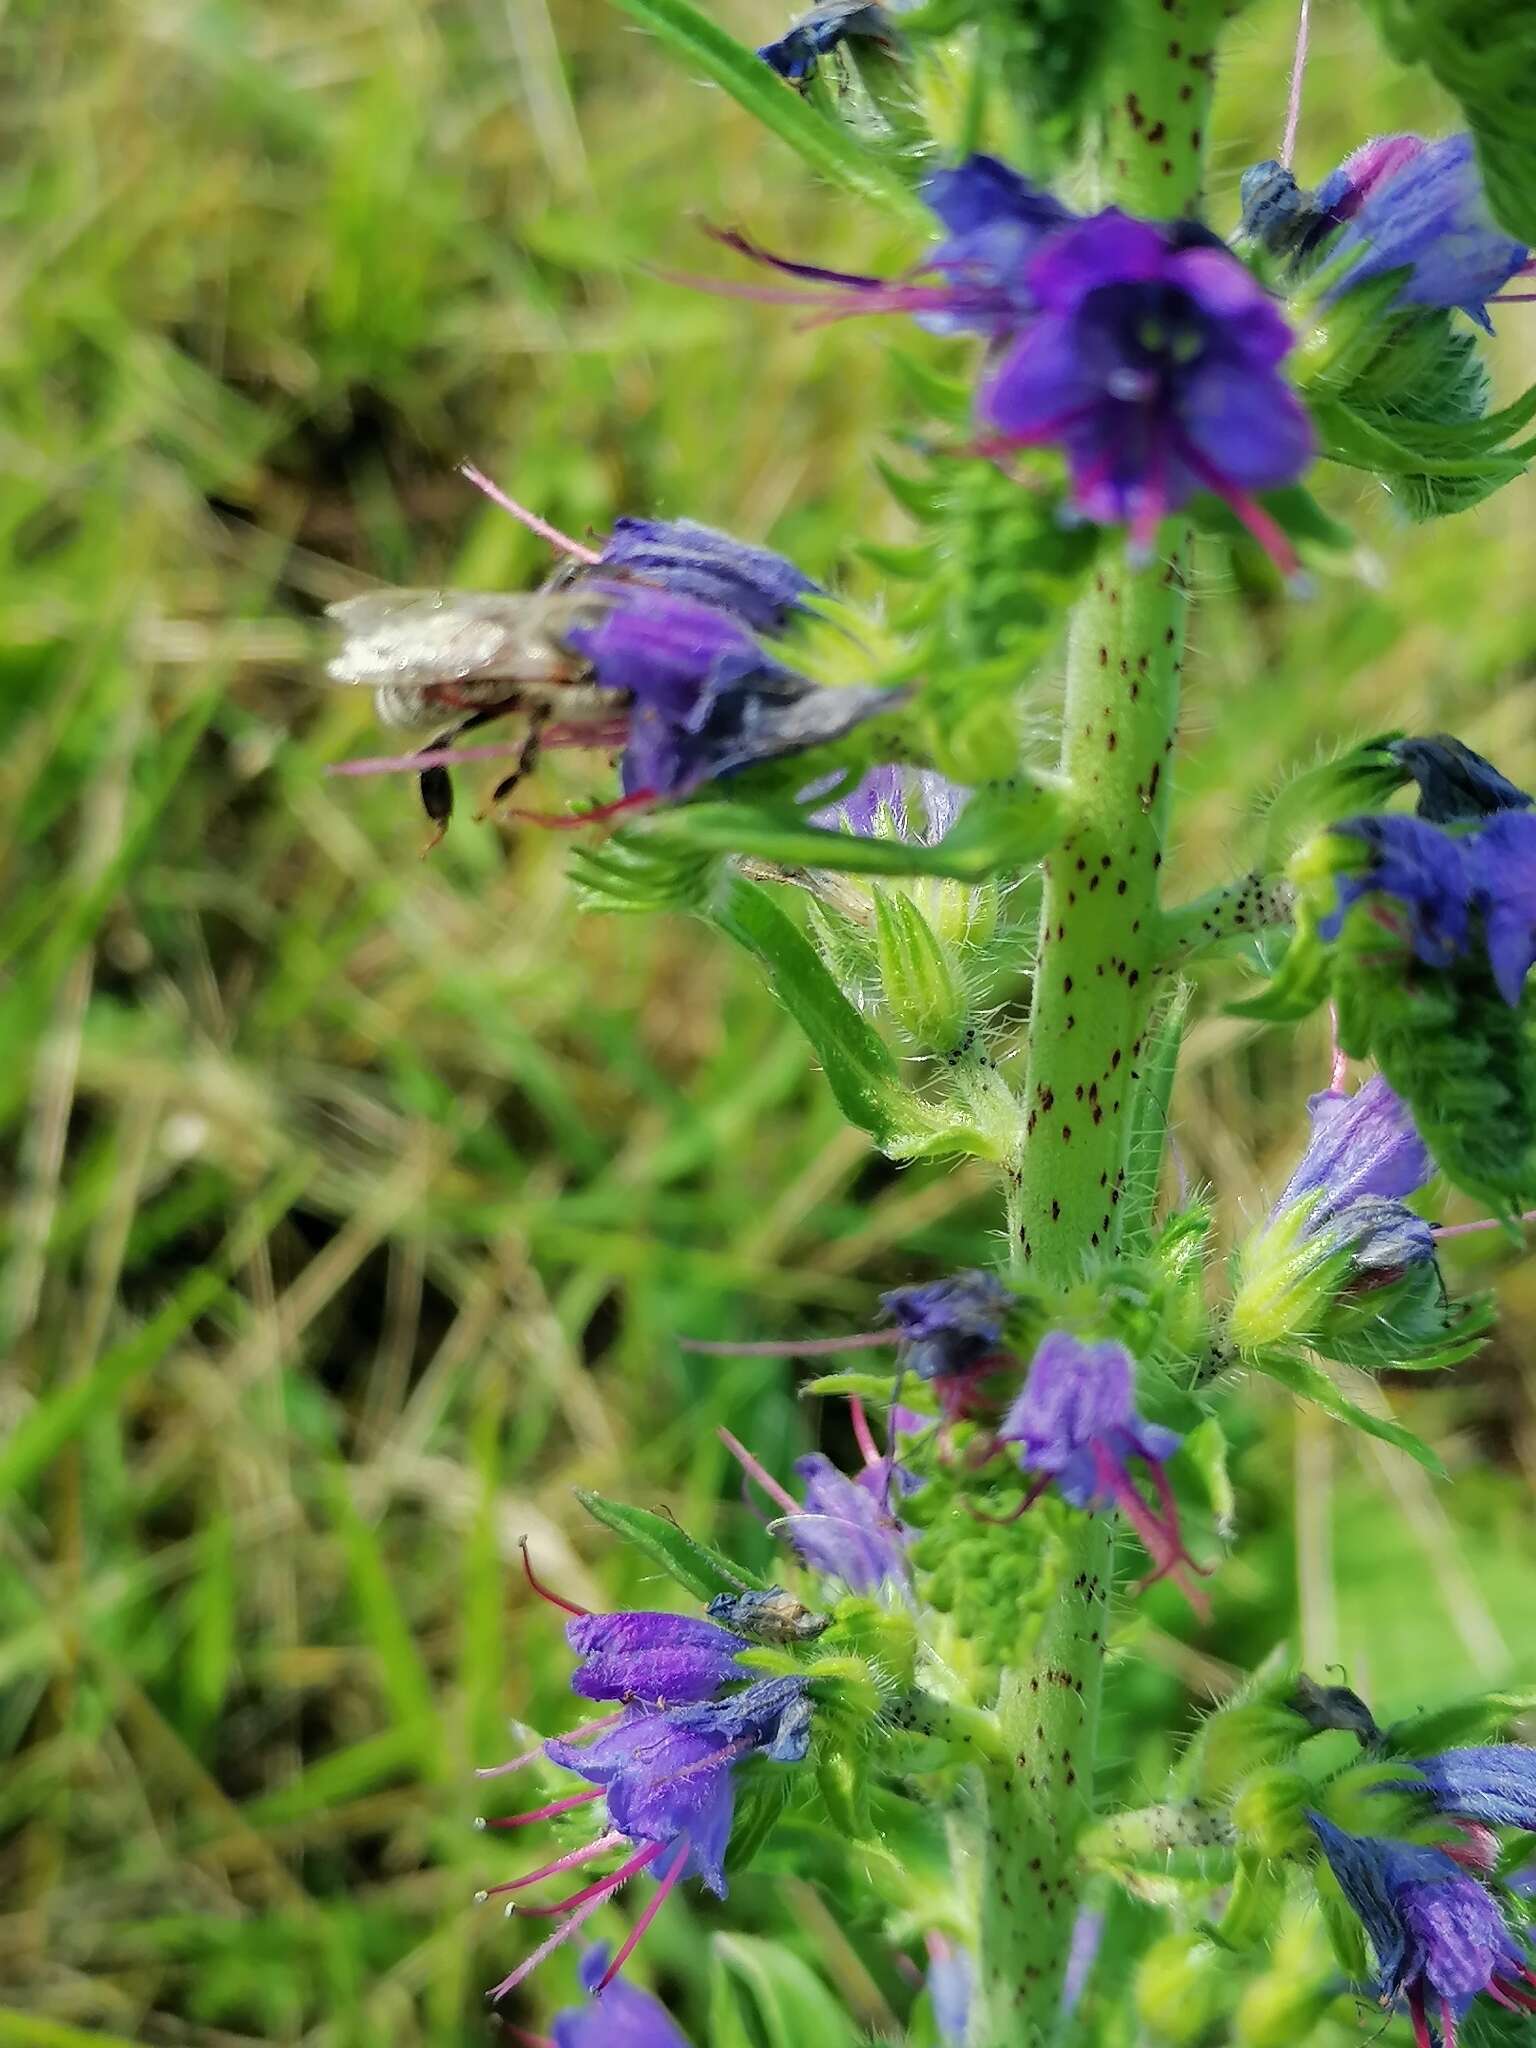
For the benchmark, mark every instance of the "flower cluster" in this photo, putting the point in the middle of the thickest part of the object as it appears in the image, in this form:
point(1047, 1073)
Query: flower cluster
point(1438, 1932)
point(1445, 893)
point(1398, 204)
point(689, 1717)
point(1145, 351)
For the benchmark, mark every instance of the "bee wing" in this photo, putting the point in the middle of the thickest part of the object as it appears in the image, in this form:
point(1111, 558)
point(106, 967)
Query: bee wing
point(414, 638)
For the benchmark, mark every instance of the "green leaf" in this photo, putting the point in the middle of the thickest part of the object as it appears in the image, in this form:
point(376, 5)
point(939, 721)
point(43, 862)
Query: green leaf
point(1311, 1383)
point(1149, 1116)
point(830, 150)
point(1005, 827)
point(697, 1567)
point(1484, 53)
point(1478, 1719)
point(790, 2005)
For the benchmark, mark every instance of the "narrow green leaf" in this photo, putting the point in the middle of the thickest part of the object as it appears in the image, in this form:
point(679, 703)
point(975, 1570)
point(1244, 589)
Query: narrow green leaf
point(704, 46)
point(791, 2004)
point(1311, 1383)
point(698, 1567)
point(386, 1626)
point(859, 1067)
point(1149, 1117)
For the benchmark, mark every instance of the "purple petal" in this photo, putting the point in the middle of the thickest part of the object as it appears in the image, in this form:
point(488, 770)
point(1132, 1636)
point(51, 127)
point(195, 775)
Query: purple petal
point(1361, 1144)
point(1495, 1784)
point(753, 584)
point(1503, 862)
point(1255, 433)
point(623, 2017)
point(659, 1658)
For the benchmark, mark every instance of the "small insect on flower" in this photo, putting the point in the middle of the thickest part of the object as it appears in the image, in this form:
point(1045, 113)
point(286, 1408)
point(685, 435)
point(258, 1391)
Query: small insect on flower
point(772, 1616)
point(456, 659)
point(797, 53)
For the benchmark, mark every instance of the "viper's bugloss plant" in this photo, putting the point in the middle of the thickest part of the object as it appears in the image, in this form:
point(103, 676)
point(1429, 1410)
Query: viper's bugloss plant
point(975, 936)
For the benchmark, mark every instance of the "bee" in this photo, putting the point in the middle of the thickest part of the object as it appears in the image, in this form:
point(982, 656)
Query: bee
point(452, 660)
point(773, 1616)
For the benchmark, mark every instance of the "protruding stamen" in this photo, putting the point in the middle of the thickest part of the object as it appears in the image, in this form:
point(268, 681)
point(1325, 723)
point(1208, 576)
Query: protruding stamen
point(1161, 1539)
point(1014, 1514)
point(1298, 73)
point(604, 1886)
point(543, 1591)
point(806, 1347)
point(1338, 1059)
point(529, 1964)
point(1443, 1231)
point(534, 524)
point(550, 1812)
point(869, 1450)
point(532, 1756)
point(572, 821)
point(653, 1906)
point(754, 1470)
point(570, 1861)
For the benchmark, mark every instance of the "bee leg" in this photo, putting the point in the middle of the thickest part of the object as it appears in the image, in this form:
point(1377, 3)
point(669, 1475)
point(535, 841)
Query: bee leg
point(527, 760)
point(436, 784)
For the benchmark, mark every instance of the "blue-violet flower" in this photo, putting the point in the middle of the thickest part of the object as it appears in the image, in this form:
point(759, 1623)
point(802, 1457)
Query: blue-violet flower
point(623, 2017)
point(1076, 1425)
point(1439, 1938)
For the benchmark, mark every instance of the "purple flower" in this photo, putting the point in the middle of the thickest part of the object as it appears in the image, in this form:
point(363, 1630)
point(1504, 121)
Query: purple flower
point(662, 1659)
point(1438, 1936)
point(705, 698)
point(1455, 785)
point(623, 2017)
point(1146, 352)
point(950, 1327)
point(1294, 223)
point(1495, 1785)
point(951, 1978)
point(1364, 1158)
point(1427, 872)
point(1440, 883)
point(760, 588)
point(1076, 1425)
point(1082, 1954)
point(815, 35)
point(1155, 366)
point(996, 222)
point(914, 804)
point(846, 1527)
point(1503, 861)
point(1420, 206)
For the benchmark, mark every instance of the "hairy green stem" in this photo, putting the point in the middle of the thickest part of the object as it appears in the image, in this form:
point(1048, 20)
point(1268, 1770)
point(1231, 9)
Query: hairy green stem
point(1096, 979)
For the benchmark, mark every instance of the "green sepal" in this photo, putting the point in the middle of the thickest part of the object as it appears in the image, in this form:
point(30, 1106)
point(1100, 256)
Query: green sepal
point(1270, 1813)
point(1361, 778)
point(697, 1567)
point(761, 1796)
point(704, 47)
point(1204, 1450)
point(1162, 1037)
point(865, 1386)
point(923, 992)
point(1472, 1720)
point(1410, 1325)
point(762, 1996)
point(1184, 1988)
point(1346, 1936)
point(639, 873)
point(1310, 1383)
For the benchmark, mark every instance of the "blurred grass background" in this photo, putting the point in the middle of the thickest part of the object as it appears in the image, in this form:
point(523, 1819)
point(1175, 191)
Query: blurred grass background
point(354, 1202)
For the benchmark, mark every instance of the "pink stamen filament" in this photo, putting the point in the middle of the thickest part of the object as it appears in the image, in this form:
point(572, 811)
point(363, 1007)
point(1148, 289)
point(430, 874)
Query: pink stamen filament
point(653, 1906)
point(604, 1886)
point(1161, 1539)
point(532, 1756)
point(1264, 529)
point(550, 1812)
point(570, 1861)
point(1443, 1231)
point(1298, 73)
point(529, 1964)
point(869, 1450)
point(1338, 1069)
point(572, 821)
point(534, 524)
point(543, 1591)
point(754, 1470)
point(811, 1347)
point(597, 735)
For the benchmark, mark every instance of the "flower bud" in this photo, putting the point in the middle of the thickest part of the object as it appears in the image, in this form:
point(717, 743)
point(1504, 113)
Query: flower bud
point(1270, 1813)
point(923, 991)
point(1183, 1988)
